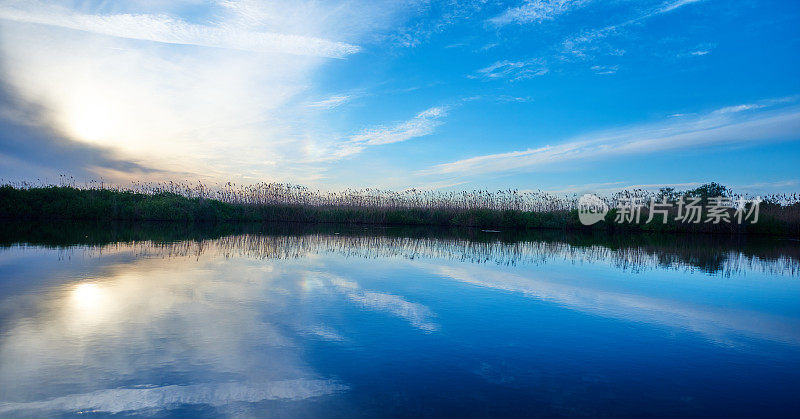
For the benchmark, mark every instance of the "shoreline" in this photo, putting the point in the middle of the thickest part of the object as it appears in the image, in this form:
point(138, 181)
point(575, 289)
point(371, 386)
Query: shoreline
point(72, 204)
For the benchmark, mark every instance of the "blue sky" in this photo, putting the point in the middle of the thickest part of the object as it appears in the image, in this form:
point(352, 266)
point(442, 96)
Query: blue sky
point(564, 96)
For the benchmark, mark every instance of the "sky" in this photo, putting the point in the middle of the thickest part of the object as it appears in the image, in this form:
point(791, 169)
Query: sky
point(564, 96)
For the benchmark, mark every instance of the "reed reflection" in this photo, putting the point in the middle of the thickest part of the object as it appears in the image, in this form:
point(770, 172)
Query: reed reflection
point(698, 256)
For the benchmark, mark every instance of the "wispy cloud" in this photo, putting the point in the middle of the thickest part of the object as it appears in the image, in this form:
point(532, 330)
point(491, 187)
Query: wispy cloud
point(739, 108)
point(605, 69)
point(612, 187)
point(517, 99)
point(670, 6)
point(422, 124)
point(767, 187)
point(513, 70)
point(579, 45)
point(432, 17)
point(169, 30)
point(331, 102)
point(723, 126)
point(534, 11)
point(698, 50)
point(757, 105)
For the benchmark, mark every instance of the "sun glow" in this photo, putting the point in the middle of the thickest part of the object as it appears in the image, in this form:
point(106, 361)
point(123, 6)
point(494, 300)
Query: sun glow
point(90, 303)
point(86, 295)
point(90, 121)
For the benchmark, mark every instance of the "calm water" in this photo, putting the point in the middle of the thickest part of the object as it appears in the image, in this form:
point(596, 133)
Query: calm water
point(327, 322)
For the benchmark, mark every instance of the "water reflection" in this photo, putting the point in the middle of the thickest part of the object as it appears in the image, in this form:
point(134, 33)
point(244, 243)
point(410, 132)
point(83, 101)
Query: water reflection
point(302, 322)
point(710, 254)
point(123, 324)
point(720, 324)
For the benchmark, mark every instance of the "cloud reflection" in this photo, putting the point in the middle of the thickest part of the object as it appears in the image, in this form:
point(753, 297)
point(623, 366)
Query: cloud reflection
point(153, 322)
point(719, 324)
point(416, 314)
point(135, 399)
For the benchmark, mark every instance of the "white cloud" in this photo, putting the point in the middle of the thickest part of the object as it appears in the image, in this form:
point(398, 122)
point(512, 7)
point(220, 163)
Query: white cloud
point(724, 126)
point(668, 7)
point(739, 108)
point(166, 29)
point(535, 11)
point(605, 69)
point(779, 186)
point(210, 113)
point(331, 102)
point(434, 17)
point(514, 70)
point(517, 99)
point(612, 187)
point(580, 45)
point(424, 123)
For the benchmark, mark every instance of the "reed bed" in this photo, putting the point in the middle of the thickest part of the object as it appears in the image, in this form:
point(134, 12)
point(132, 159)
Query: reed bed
point(510, 209)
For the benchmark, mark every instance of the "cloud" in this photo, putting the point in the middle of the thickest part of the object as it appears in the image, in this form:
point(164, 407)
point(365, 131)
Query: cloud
point(169, 30)
point(739, 108)
point(422, 124)
point(535, 11)
point(670, 6)
point(29, 150)
point(432, 17)
point(221, 113)
point(331, 102)
point(580, 45)
point(724, 126)
point(517, 99)
point(440, 184)
point(513, 70)
point(779, 186)
point(605, 69)
point(613, 187)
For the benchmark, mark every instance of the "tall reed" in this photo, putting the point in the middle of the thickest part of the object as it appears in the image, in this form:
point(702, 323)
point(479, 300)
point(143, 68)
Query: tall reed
point(510, 208)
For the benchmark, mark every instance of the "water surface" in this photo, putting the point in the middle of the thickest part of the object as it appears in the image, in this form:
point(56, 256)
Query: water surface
point(342, 322)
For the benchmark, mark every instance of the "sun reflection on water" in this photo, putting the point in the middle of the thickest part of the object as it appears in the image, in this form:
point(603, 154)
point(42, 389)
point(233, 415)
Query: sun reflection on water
point(89, 300)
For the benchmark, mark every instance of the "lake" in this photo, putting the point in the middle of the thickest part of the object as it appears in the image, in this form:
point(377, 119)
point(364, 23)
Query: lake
point(332, 321)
